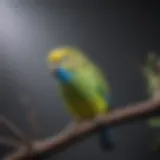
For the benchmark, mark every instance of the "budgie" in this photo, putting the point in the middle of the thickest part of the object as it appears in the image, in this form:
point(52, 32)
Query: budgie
point(81, 84)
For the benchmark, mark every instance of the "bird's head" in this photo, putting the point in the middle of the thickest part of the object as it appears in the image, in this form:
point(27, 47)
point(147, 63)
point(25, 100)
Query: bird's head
point(56, 58)
point(58, 55)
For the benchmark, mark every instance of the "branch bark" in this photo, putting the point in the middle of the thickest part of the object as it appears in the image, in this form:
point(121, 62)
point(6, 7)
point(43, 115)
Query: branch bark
point(14, 130)
point(10, 142)
point(31, 117)
point(50, 146)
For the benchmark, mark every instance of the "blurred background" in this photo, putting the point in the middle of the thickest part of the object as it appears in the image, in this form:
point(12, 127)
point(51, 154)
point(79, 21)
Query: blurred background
point(115, 34)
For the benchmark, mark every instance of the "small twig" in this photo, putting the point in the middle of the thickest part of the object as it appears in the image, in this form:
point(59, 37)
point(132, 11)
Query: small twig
point(14, 130)
point(32, 117)
point(10, 142)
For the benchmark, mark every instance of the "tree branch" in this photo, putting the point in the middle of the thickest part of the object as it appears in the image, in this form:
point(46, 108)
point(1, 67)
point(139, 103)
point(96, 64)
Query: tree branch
point(14, 130)
point(31, 117)
point(43, 149)
point(10, 142)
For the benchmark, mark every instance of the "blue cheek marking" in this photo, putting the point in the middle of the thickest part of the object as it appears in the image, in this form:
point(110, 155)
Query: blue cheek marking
point(63, 75)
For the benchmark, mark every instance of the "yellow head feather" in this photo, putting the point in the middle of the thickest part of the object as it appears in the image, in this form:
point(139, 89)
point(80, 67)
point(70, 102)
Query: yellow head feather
point(57, 54)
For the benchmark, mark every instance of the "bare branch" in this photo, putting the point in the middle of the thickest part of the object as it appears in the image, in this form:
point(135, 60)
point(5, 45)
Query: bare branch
point(14, 130)
point(31, 117)
point(10, 142)
point(43, 149)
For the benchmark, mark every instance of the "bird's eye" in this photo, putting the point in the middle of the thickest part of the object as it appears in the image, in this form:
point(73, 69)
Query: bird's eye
point(63, 59)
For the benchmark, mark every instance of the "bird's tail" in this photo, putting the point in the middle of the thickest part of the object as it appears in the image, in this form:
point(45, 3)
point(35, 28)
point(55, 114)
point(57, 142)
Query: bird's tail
point(105, 139)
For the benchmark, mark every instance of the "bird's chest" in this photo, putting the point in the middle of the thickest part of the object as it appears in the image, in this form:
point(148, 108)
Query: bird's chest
point(79, 105)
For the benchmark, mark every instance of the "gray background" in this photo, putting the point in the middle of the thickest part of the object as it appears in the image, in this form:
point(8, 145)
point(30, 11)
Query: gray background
point(115, 35)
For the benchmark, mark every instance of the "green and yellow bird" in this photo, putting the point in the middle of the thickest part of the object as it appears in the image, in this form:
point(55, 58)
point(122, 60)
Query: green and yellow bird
point(82, 86)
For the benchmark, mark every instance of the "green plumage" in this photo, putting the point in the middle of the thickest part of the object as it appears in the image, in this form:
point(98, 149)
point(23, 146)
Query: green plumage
point(87, 88)
point(84, 89)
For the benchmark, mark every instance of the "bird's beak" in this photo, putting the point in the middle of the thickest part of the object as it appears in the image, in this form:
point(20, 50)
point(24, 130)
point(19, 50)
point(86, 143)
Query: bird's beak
point(52, 67)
